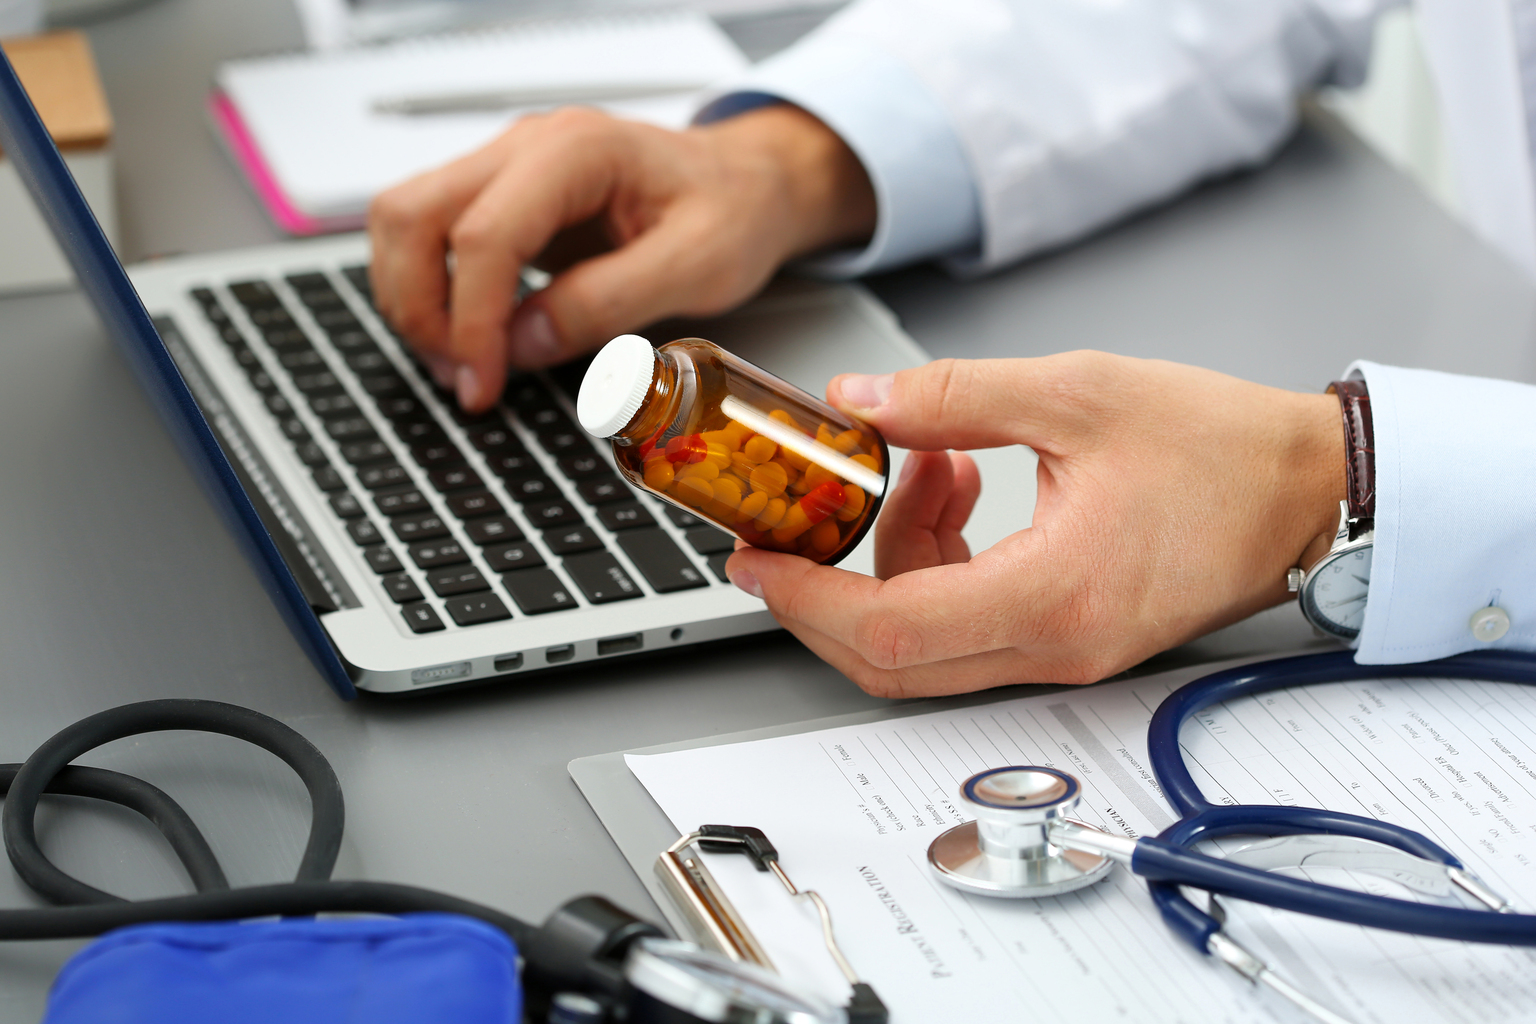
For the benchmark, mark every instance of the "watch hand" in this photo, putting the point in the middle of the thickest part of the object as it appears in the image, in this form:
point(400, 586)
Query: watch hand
point(1348, 600)
point(1362, 579)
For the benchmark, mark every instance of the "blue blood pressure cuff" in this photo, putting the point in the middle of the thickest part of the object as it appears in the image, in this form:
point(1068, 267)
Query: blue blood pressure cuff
point(438, 968)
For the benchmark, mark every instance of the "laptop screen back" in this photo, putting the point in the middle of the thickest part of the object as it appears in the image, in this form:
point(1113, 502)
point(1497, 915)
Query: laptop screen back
point(25, 140)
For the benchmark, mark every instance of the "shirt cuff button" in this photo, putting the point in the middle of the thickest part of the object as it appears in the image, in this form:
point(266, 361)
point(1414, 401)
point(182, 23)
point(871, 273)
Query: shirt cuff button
point(1489, 624)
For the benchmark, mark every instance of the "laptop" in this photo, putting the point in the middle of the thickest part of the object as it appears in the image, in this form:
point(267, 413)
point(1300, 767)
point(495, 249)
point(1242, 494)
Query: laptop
point(410, 546)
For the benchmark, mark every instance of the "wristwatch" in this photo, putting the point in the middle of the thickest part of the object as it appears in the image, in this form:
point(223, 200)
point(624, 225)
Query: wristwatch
point(1333, 592)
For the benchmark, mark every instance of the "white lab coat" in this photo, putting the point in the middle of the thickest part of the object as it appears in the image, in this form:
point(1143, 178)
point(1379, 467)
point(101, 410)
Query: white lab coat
point(992, 129)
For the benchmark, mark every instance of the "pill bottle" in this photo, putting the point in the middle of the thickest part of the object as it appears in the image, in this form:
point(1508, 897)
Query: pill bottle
point(735, 445)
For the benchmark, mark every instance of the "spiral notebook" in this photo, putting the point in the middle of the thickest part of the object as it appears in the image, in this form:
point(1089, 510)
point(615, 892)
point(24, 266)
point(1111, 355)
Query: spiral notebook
point(307, 132)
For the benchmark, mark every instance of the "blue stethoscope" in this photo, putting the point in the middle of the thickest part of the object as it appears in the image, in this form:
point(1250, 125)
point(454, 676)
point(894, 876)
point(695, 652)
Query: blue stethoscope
point(1024, 842)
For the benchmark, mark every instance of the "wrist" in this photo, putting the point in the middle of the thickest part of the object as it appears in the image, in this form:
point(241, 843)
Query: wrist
point(822, 189)
point(1321, 482)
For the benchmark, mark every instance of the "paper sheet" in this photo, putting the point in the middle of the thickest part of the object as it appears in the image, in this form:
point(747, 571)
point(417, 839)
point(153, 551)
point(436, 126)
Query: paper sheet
point(852, 811)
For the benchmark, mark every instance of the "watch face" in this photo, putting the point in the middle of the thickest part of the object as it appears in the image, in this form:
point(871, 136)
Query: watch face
point(1334, 597)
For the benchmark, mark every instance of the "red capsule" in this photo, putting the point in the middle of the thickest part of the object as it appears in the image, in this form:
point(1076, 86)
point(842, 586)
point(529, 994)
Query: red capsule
point(686, 449)
point(823, 500)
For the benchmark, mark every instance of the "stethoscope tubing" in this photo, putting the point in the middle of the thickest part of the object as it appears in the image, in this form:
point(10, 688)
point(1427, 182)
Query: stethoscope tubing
point(1167, 862)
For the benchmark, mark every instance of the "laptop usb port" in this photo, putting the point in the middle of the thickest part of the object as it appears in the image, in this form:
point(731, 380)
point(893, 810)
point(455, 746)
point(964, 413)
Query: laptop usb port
point(620, 644)
point(509, 662)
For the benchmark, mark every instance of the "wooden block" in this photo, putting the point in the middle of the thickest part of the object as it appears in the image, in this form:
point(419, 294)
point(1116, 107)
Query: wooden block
point(60, 76)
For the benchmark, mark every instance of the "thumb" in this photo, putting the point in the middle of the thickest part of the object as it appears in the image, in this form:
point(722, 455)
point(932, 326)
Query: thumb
point(976, 403)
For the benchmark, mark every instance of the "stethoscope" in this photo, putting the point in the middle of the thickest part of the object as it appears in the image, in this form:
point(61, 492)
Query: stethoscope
point(1024, 842)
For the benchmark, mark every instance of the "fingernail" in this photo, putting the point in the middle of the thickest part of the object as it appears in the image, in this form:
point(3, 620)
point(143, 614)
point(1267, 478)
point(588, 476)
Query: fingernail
point(747, 582)
point(441, 370)
point(908, 467)
point(865, 392)
point(467, 383)
point(532, 341)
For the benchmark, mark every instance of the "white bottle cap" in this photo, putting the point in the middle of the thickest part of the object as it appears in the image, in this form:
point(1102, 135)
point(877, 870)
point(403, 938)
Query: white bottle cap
point(616, 385)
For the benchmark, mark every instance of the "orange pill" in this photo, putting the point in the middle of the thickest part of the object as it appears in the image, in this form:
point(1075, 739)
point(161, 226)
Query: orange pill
point(726, 439)
point(853, 503)
point(719, 454)
point(815, 476)
point(794, 523)
point(751, 506)
point(692, 491)
point(706, 470)
point(783, 417)
point(760, 449)
point(772, 514)
point(728, 493)
point(794, 458)
point(825, 537)
point(742, 463)
point(848, 442)
point(867, 461)
point(770, 478)
point(659, 474)
point(824, 435)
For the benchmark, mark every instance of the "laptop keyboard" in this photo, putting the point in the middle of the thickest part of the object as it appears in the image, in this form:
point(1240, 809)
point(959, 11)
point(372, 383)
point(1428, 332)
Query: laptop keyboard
point(461, 530)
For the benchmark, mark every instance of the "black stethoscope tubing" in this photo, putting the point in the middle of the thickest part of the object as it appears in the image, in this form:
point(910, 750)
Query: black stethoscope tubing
point(1168, 862)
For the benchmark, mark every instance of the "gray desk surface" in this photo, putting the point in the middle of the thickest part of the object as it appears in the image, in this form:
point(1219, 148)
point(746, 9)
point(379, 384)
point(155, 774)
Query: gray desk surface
point(117, 583)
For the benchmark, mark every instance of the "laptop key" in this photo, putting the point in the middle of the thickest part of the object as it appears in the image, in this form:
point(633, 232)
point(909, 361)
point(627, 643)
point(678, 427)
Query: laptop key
point(298, 360)
point(707, 540)
point(382, 560)
point(455, 478)
point(627, 515)
point(442, 453)
point(422, 526)
point(401, 501)
point(253, 293)
point(277, 405)
point(350, 428)
point(319, 382)
point(685, 520)
point(367, 362)
point(283, 339)
point(360, 452)
point(383, 474)
point(293, 428)
point(401, 588)
point(547, 419)
point(358, 277)
point(601, 490)
point(421, 618)
point(311, 454)
point(364, 533)
point(346, 505)
point(328, 479)
point(537, 591)
point(414, 432)
point(470, 504)
point(508, 463)
point(381, 384)
point(532, 488)
point(528, 394)
point(494, 436)
point(493, 530)
point(458, 579)
point(552, 513)
point(353, 342)
point(262, 381)
point(326, 406)
point(568, 540)
point(601, 577)
point(581, 466)
point(506, 557)
point(717, 565)
point(434, 553)
point(563, 442)
point(402, 407)
point(661, 561)
point(476, 608)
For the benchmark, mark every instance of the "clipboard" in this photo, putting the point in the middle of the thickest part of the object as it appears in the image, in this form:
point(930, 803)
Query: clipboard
point(642, 831)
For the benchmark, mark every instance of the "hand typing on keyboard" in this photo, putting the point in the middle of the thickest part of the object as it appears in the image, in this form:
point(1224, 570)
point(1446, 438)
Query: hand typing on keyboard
point(693, 222)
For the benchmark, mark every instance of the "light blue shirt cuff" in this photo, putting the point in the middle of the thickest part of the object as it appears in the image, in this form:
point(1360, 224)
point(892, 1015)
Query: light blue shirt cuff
point(1455, 513)
point(926, 196)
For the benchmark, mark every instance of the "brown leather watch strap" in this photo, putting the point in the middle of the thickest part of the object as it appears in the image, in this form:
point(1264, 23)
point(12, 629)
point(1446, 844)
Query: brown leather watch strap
point(1359, 447)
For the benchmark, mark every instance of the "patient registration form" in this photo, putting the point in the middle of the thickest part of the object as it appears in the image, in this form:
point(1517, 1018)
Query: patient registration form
point(853, 809)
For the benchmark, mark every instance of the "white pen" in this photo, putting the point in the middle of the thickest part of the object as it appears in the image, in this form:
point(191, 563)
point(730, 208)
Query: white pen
point(530, 96)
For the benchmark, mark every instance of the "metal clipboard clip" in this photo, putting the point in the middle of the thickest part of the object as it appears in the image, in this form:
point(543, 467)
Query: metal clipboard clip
point(717, 923)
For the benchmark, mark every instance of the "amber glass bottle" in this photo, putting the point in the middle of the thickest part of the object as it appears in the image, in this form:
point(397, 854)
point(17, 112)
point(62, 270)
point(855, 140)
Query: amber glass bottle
point(735, 445)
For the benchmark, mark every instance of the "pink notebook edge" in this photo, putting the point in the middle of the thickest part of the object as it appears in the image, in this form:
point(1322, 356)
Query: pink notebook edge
point(247, 155)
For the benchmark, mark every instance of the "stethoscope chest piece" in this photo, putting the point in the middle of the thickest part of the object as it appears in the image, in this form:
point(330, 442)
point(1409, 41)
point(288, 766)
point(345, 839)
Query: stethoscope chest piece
point(1007, 851)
